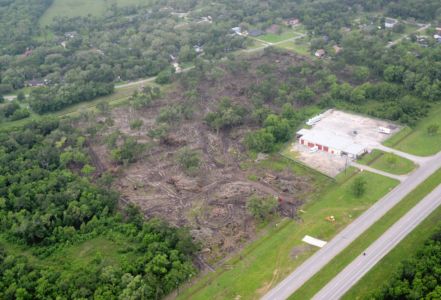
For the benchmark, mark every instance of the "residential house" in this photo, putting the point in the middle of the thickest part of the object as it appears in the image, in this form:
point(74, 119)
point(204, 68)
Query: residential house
point(36, 83)
point(255, 32)
point(274, 29)
point(337, 49)
point(207, 19)
point(237, 30)
point(320, 53)
point(292, 22)
point(198, 49)
point(390, 23)
point(70, 34)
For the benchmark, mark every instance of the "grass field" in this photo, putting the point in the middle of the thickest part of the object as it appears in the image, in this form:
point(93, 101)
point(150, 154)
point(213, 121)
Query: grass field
point(387, 162)
point(417, 141)
point(118, 97)
point(310, 288)
point(275, 38)
point(77, 256)
point(300, 46)
point(388, 265)
point(265, 262)
point(82, 8)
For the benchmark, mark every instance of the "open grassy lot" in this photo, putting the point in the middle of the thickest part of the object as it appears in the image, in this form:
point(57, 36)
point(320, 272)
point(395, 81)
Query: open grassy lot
point(118, 97)
point(265, 262)
point(299, 46)
point(388, 265)
point(310, 288)
point(275, 38)
point(387, 162)
point(82, 8)
point(417, 140)
point(80, 255)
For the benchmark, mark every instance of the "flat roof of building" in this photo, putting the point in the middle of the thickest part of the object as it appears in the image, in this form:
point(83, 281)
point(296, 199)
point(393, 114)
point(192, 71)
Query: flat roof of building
point(331, 140)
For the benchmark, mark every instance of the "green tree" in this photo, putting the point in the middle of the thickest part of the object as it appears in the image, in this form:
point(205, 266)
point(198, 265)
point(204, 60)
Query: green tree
point(278, 127)
point(433, 129)
point(188, 160)
point(358, 187)
point(260, 141)
point(21, 96)
point(261, 208)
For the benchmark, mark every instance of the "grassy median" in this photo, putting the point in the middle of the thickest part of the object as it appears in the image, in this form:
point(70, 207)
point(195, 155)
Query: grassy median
point(406, 249)
point(319, 280)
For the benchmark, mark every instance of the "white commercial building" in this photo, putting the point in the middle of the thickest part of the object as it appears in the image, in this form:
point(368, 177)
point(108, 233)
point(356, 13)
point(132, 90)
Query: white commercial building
point(328, 141)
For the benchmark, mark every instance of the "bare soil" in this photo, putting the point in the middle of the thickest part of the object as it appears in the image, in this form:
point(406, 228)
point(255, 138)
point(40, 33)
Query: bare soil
point(212, 202)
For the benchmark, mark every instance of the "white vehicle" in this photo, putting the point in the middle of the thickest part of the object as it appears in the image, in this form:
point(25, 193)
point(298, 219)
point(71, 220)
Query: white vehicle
point(313, 149)
point(384, 130)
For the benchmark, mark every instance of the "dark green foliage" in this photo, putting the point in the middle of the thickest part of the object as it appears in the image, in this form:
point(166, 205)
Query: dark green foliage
point(227, 115)
point(46, 204)
point(146, 97)
point(433, 129)
point(358, 187)
point(417, 277)
point(261, 141)
point(129, 152)
point(164, 77)
point(276, 130)
point(12, 111)
point(48, 99)
point(261, 208)
point(189, 160)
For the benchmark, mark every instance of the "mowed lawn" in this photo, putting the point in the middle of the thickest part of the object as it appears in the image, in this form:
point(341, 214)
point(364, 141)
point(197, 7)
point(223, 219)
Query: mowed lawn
point(275, 38)
point(299, 46)
point(387, 162)
point(418, 141)
point(268, 260)
point(82, 8)
point(320, 279)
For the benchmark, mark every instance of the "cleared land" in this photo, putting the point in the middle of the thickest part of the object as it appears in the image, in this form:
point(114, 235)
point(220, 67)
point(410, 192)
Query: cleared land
point(276, 38)
point(82, 8)
point(300, 46)
point(117, 98)
point(102, 249)
point(321, 278)
point(266, 261)
point(418, 141)
point(387, 162)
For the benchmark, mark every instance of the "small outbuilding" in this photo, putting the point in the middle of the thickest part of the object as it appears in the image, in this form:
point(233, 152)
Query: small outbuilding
point(320, 53)
point(390, 23)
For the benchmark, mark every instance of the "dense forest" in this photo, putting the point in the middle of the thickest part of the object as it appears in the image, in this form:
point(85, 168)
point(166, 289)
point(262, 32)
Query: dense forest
point(51, 198)
point(418, 277)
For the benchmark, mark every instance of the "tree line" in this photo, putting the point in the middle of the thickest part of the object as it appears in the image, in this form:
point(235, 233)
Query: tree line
point(51, 198)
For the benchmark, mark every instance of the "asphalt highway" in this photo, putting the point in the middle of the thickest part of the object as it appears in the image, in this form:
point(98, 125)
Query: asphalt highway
point(338, 286)
point(323, 256)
